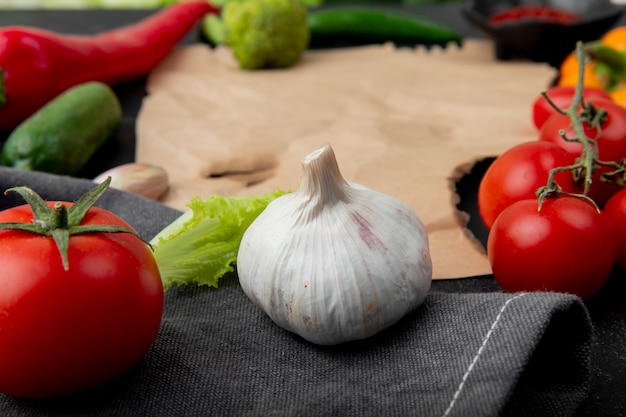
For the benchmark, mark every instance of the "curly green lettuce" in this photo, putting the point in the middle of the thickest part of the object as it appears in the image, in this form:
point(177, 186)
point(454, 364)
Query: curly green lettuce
point(201, 245)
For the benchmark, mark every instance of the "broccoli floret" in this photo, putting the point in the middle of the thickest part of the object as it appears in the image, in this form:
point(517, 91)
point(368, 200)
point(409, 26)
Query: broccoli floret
point(266, 33)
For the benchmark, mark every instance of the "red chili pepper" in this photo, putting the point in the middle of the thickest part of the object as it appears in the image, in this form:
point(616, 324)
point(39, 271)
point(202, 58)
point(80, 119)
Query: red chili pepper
point(37, 65)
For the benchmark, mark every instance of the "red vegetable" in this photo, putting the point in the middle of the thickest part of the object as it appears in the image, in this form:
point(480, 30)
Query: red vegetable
point(610, 138)
point(518, 173)
point(615, 209)
point(561, 96)
point(37, 65)
point(79, 305)
point(567, 246)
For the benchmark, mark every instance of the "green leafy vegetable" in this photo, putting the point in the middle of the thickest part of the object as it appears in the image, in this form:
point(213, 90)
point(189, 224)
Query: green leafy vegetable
point(202, 244)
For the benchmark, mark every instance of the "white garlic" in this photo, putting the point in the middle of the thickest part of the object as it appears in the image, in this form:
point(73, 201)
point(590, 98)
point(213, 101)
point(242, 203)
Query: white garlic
point(147, 180)
point(335, 261)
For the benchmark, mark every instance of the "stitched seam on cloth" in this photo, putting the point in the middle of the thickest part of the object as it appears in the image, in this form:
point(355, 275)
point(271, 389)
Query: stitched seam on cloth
point(457, 394)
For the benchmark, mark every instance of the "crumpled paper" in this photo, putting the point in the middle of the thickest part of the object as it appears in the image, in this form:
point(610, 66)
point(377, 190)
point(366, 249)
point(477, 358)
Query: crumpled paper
point(406, 122)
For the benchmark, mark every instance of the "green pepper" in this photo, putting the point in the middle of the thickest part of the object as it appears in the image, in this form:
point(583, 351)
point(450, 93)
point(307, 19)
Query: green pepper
point(345, 25)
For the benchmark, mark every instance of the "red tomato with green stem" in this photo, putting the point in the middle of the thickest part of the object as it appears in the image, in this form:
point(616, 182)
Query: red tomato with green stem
point(517, 173)
point(567, 246)
point(562, 97)
point(610, 140)
point(615, 209)
point(66, 328)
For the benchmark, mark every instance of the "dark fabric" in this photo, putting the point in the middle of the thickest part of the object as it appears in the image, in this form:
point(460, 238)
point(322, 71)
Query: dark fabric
point(481, 354)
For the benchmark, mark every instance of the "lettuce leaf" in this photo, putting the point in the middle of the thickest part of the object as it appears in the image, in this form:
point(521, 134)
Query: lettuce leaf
point(201, 245)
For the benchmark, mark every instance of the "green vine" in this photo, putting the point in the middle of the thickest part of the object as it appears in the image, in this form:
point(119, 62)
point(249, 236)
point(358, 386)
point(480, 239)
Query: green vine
point(580, 114)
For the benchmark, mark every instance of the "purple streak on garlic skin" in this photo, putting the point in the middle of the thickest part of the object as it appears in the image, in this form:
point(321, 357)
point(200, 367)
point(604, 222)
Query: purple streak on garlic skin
point(365, 231)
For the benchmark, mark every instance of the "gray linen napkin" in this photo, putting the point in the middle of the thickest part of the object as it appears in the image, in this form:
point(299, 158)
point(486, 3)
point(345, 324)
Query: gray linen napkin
point(485, 354)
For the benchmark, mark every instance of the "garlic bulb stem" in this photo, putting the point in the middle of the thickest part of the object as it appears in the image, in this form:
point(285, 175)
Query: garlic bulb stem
point(322, 183)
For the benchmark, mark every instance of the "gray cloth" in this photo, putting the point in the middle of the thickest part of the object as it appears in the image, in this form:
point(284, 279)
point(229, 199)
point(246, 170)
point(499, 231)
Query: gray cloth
point(485, 354)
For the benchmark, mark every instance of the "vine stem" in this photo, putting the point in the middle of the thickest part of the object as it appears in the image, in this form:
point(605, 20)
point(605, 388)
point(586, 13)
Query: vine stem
point(588, 161)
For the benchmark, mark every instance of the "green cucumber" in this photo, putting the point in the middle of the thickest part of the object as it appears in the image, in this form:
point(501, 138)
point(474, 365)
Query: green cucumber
point(63, 135)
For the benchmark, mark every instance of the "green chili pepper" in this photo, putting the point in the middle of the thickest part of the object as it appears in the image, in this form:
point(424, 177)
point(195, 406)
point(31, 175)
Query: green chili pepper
point(364, 25)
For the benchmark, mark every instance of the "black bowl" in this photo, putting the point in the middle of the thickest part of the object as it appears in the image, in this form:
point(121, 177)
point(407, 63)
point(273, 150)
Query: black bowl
point(539, 39)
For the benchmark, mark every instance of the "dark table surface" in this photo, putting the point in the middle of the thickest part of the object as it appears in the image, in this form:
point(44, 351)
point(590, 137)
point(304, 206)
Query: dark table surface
point(607, 395)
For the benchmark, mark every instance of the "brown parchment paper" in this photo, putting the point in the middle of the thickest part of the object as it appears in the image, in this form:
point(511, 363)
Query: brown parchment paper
point(405, 122)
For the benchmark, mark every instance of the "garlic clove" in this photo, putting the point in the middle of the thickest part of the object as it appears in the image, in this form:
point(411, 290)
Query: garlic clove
point(146, 180)
point(335, 261)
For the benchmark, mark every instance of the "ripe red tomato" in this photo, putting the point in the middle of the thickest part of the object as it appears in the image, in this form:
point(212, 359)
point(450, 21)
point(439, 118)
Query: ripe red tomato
point(61, 331)
point(615, 209)
point(561, 96)
point(611, 143)
point(567, 246)
point(517, 173)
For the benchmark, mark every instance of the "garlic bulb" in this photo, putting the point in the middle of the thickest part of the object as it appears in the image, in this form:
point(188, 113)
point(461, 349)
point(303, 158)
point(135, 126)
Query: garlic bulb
point(147, 180)
point(335, 261)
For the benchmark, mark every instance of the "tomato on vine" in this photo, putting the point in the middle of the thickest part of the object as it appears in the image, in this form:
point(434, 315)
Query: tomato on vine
point(517, 173)
point(615, 210)
point(567, 245)
point(559, 239)
point(561, 96)
point(81, 296)
point(609, 134)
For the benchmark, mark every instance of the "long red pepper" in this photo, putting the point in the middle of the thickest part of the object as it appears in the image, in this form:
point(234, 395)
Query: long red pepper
point(37, 65)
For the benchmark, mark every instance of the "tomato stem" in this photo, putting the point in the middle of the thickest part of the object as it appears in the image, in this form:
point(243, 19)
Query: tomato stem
point(559, 110)
point(59, 222)
point(552, 188)
point(579, 113)
point(59, 217)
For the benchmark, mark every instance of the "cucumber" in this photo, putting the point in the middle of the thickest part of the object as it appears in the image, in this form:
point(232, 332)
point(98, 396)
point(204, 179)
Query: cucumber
point(61, 136)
